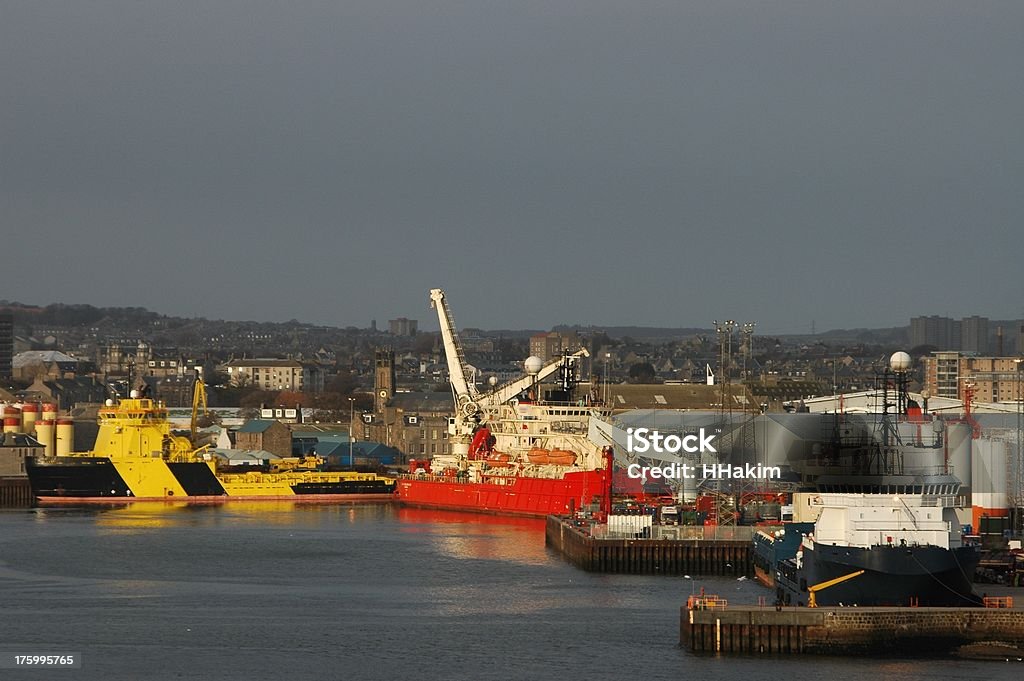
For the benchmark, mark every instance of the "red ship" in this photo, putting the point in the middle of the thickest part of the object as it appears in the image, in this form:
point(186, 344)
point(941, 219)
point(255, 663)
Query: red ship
point(508, 495)
point(517, 449)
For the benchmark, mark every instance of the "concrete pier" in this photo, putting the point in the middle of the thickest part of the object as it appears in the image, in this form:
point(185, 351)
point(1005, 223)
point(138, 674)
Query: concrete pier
point(649, 556)
point(828, 630)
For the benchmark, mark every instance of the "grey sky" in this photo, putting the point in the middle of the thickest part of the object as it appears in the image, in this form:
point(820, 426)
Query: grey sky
point(660, 163)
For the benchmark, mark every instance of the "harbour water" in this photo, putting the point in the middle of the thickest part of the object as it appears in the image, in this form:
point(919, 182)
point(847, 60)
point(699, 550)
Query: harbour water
point(282, 591)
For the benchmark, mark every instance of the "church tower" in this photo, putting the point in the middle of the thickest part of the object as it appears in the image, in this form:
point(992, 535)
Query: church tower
point(383, 378)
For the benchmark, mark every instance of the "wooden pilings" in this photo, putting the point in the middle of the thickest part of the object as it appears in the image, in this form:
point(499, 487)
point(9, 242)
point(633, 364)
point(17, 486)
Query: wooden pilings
point(15, 493)
point(649, 556)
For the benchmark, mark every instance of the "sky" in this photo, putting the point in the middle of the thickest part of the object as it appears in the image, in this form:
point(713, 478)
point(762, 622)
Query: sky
point(544, 161)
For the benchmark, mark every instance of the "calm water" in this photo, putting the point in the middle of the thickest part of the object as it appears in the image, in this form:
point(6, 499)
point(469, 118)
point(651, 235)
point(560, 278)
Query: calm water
point(355, 592)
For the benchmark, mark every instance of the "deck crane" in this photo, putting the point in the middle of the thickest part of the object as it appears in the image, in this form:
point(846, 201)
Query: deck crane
point(471, 405)
point(198, 401)
point(812, 601)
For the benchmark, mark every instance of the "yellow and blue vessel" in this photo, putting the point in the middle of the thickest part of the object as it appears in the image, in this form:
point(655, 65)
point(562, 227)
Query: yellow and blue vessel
point(137, 458)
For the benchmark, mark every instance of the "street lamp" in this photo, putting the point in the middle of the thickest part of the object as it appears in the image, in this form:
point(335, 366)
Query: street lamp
point(351, 429)
point(605, 395)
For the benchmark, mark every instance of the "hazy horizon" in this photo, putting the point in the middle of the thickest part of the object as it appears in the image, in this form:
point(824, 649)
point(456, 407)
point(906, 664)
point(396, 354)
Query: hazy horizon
point(556, 162)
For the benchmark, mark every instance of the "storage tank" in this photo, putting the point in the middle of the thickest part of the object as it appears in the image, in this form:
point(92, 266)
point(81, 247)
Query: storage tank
point(11, 424)
point(44, 433)
point(988, 493)
point(29, 416)
point(958, 448)
point(12, 419)
point(65, 436)
point(49, 411)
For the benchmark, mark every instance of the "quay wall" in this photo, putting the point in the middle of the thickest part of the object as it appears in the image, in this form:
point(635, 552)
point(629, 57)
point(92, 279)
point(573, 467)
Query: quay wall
point(846, 630)
point(649, 556)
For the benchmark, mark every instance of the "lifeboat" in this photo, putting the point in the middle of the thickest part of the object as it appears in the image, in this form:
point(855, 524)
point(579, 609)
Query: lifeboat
point(498, 460)
point(539, 455)
point(562, 457)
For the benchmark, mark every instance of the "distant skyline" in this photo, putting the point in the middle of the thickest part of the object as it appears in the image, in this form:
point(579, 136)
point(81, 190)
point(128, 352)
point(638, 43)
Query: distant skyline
point(557, 162)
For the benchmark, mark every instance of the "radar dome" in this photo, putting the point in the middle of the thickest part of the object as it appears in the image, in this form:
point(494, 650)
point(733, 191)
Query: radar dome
point(900, 362)
point(109, 402)
point(134, 394)
point(492, 381)
point(533, 365)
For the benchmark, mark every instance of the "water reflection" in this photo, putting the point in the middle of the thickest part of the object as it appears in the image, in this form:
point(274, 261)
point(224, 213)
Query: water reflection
point(130, 517)
point(479, 537)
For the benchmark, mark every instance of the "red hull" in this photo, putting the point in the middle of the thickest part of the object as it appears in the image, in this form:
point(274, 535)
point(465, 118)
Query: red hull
point(536, 497)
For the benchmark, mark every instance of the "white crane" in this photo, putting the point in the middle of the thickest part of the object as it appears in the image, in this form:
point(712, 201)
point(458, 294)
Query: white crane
point(471, 404)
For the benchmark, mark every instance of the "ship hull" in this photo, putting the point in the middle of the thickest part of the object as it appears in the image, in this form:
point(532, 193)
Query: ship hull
point(774, 544)
point(100, 480)
point(929, 576)
point(512, 495)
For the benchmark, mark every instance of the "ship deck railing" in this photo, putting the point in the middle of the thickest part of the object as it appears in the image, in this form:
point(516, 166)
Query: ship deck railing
point(706, 602)
point(866, 500)
point(739, 533)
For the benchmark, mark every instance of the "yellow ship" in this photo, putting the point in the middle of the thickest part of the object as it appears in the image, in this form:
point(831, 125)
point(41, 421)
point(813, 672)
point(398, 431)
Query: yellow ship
point(137, 458)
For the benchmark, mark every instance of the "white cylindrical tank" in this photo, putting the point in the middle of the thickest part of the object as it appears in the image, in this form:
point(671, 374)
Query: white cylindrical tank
point(989, 491)
point(958, 445)
point(65, 436)
point(44, 434)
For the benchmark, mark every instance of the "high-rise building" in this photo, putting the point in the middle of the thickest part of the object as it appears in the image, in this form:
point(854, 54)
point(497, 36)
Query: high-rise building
point(6, 342)
point(974, 334)
point(939, 332)
point(402, 327)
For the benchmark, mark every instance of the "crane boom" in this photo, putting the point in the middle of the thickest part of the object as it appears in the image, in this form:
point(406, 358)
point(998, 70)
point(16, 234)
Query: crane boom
point(465, 391)
point(504, 393)
point(469, 402)
point(812, 601)
point(198, 401)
